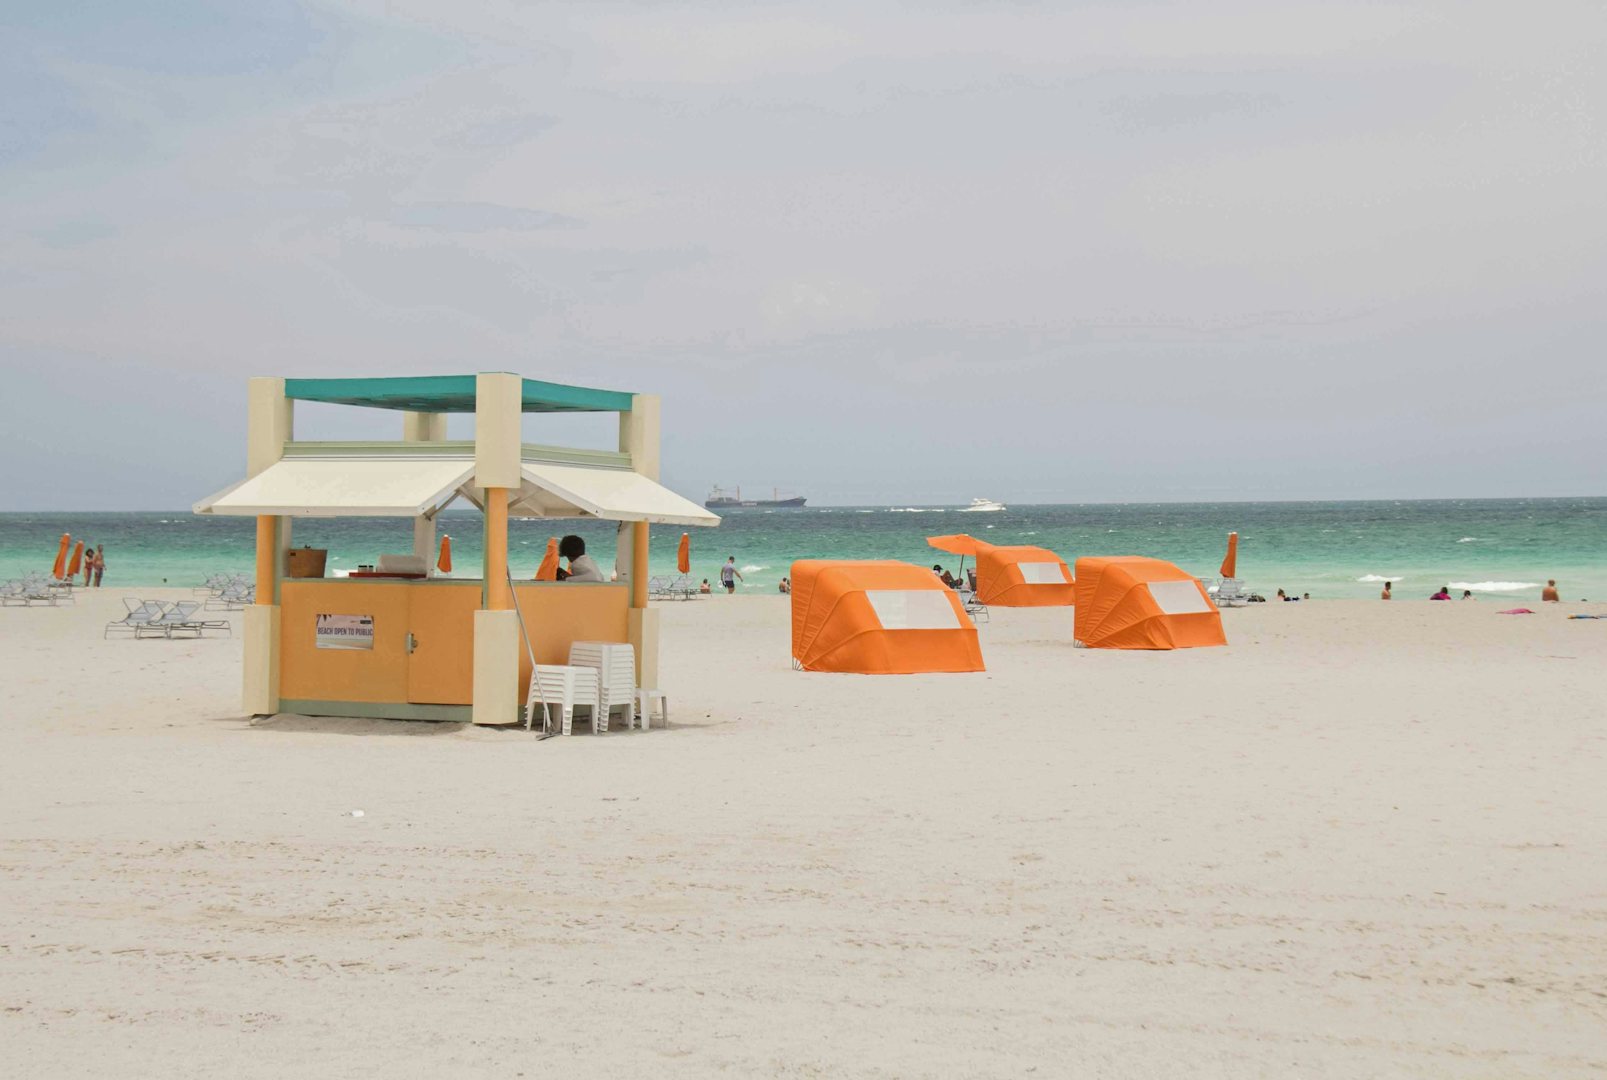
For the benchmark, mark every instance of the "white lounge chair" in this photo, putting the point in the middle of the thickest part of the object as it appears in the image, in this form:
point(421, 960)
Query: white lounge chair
point(232, 597)
point(180, 620)
point(615, 664)
point(1229, 592)
point(563, 688)
point(36, 590)
point(140, 612)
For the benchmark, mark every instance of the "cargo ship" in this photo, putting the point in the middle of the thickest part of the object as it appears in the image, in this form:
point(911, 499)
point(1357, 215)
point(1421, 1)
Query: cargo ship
point(720, 500)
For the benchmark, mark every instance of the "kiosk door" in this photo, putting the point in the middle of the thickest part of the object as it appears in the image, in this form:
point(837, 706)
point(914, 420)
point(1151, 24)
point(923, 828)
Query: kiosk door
point(440, 665)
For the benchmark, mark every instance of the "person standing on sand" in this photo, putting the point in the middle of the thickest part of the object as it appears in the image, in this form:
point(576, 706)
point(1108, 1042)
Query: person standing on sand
point(89, 564)
point(729, 575)
point(100, 563)
point(1549, 593)
point(1386, 596)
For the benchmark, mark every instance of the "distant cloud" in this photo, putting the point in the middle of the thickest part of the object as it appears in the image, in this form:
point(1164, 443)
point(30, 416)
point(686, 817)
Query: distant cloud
point(478, 217)
point(1183, 110)
point(66, 234)
point(507, 131)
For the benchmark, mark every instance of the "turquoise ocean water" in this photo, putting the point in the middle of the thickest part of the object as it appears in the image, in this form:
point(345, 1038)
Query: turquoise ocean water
point(1500, 548)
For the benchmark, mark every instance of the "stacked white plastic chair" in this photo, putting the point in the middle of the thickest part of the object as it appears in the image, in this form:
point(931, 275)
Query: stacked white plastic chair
point(561, 688)
point(615, 664)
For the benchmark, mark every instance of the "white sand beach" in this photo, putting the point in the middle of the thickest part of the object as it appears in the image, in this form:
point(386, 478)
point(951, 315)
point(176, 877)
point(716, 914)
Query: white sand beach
point(1364, 840)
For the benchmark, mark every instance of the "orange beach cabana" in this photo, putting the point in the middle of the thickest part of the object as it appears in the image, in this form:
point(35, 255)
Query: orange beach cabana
point(1023, 576)
point(878, 618)
point(410, 645)
point(1018, 575)
point(1130, 602)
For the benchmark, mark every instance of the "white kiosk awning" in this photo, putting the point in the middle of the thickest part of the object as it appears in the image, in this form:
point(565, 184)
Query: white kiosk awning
point(402, 486)
point(344, 487)
point(552, 489)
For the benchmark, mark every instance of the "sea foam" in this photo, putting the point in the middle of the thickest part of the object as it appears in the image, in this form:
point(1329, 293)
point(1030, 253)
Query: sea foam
point(1379, 579)
point(1495, 586)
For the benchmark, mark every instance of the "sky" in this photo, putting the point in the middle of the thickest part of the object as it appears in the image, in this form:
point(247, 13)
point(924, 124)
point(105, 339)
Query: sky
point(865, 252)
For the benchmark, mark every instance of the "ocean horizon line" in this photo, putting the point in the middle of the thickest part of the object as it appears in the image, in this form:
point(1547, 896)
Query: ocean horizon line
point(944, 505)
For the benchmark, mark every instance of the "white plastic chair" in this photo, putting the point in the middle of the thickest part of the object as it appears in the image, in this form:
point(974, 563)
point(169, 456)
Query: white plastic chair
point(645, 699)
point(563, 687)
point(615, 664)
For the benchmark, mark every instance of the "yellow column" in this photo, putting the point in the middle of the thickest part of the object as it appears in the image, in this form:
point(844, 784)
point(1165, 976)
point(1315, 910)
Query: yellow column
point(269, 425)
point(639, 565)
point(497, 596)
point(497, 693)
point(267, 558)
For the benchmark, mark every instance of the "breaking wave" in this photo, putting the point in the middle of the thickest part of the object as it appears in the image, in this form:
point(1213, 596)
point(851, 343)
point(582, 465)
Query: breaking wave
point(1379, 579)
point(1495, 586)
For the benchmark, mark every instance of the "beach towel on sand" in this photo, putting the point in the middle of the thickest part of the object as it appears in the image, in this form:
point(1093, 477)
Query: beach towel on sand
point(1517, 611)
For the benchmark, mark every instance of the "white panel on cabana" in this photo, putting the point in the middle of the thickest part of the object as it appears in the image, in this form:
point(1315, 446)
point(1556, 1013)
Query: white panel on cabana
point(1043, 573)
point(1179, 597)
point(913, 609)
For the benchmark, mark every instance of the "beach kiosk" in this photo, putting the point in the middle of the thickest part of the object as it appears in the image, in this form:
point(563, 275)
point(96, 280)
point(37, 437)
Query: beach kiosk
point(399, 642)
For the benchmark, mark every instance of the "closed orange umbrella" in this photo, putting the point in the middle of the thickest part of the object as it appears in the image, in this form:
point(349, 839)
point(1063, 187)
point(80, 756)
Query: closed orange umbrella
point(59, 570)
point(443, 562)
point(683, 554)
point(1230, 565)
point(78, 560)
point(548, 570)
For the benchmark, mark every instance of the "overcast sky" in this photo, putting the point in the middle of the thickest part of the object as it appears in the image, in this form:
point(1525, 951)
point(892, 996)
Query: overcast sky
point(867, 252)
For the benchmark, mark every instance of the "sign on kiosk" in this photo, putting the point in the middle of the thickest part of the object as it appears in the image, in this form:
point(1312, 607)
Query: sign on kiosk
point(345, 632)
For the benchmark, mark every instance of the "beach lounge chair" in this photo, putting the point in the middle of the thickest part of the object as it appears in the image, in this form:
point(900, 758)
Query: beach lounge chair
point(37, 590)
point(564, 688)
point(180, 621)
point(615, 664)
point(140, 612)
point(179, 615)
point(1229, 592)
point(13, 594)
point(232, 597)
point(973, 607)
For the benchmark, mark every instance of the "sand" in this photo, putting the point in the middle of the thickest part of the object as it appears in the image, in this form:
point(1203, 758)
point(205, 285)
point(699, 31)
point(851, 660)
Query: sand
point(1364, 840)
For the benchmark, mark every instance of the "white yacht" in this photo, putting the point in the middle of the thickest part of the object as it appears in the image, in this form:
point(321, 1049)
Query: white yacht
point(982, 506)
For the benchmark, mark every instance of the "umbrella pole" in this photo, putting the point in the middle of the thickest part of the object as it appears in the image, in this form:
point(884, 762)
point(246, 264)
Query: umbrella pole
point(546, 715)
